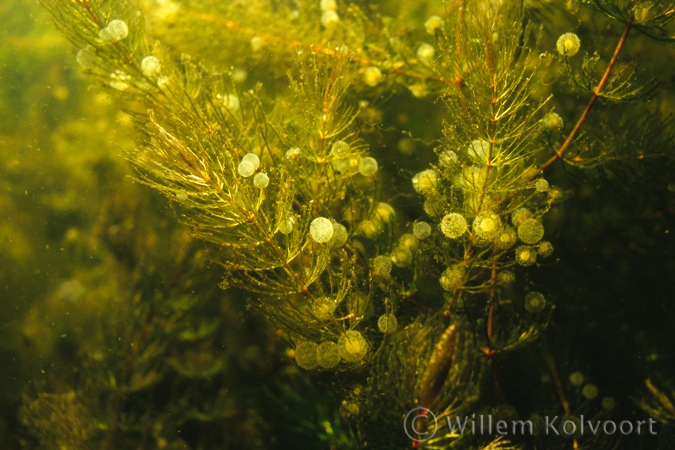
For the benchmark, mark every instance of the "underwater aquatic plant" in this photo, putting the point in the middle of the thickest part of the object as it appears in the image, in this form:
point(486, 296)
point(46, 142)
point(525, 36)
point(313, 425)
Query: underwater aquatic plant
point(276, 165)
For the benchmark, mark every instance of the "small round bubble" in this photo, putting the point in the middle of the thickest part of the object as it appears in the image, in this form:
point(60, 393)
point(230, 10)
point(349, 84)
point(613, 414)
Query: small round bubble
point(535, 302)
point(321, 230)
point(261, 180)
point(328, 355)
point(387, 323)
point(305, 355)
point(421, 230)
point(368, 166)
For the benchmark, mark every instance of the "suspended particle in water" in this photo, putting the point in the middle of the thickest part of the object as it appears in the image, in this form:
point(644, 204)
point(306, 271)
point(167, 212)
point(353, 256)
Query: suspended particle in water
point(487, 225)
point(568, 44)
point(382, 266)
point(115, 31)
point(321, 230)
point(353, 346)
point(432, 24)
point(422, 230)
point(507, 238)
point(541, 185)
point(305, 354)
point(426, 52)
point(368, 166)
point(261, 180)
point(425, 182)
point(526, 255)
point(545, 249)
point(535, 302)
point(531, 231)
point(506, 278)
point(453, 225)
point(372, 76)
point(328, 355)
point(452, 277)
point(151, 67)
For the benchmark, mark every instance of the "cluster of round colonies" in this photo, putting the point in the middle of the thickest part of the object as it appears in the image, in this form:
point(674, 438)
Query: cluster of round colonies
point(387, 323)
point(425, 182)
point(531, 231)
point(453, 225)
point(487, 225)
point(535, 302)
point(321, 230)
point(151, 67)
point(368, 166)
point(352, 346)
point(382, 266)
point(452, 277)
point(248, 165)
point(115, 31)
point(568, 44)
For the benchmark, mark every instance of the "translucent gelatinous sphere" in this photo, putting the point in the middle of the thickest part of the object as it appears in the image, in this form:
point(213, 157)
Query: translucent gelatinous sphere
point(382, 266)
point(387, 323)
point(151, 67)
point(526, 255)
point(329, 18)
point(253, 159)
point(507, 238)
point(286, 225)
point(506, 278)
point(432, 24)
point(328, 355)
point(321, 230)
point(323, 308)
point(368, 166)
point(115, 31)
point(535, 302)
point(402, 256)
point(426, 52)
point(353, 346)
point(408, 241)
point(520, 215)
point(305, 354)
point(339, 149)
point(568, 44)
point(384, 212)
point(340, 235)
point(425, 182)
point(545, 249)
point(245, 169)
point(261, 180)
point(590, 391)
point(541, 185)
point(487, 226)
point(372, 76)
point(452, 277)
point(328, 5)
point(531, 231)
point(453, 225)
point(421, 230)
point(552, 121)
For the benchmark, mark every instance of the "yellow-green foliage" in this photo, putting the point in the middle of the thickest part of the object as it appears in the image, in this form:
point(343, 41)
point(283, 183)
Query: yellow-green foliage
point(396, 267)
